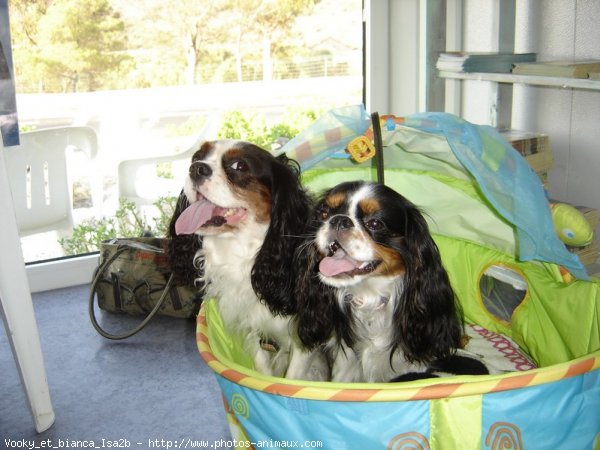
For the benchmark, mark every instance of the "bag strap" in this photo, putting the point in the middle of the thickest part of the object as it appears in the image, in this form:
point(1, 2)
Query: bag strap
point(97, 276)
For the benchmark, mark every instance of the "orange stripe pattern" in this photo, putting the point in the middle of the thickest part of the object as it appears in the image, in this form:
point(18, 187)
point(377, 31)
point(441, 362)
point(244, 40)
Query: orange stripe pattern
point(387, 392)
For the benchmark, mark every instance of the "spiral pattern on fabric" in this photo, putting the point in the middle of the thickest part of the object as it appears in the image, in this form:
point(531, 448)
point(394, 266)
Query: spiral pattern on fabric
point(409, 441)
point(240, 406)
point(504, 436)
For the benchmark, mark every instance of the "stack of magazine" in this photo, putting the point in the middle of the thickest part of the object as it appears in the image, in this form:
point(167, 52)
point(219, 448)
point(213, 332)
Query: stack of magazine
point(481, 62)
point(535, 148)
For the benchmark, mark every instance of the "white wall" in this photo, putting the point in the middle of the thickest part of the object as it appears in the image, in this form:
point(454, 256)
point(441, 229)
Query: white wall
point(554, 29)
point(392, 72)
point(558, 29)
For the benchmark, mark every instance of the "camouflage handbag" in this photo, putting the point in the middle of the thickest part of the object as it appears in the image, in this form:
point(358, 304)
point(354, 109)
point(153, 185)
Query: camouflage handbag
point(134, 277)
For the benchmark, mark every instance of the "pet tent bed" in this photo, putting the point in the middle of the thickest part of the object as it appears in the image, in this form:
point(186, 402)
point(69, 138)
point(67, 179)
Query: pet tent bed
point(487, 212)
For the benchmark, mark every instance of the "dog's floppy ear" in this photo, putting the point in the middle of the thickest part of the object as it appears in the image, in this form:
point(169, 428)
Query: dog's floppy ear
point(273, 270)
point(317, 311)
point(182, 248)
point(427, 316)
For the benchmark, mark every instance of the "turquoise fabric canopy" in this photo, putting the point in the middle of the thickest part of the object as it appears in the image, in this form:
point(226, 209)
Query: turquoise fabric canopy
point(508, 183)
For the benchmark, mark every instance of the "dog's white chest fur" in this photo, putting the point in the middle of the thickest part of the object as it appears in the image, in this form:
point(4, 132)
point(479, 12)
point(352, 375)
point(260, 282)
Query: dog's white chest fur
point(371, 357)
point(228, 262)
point(227, 268)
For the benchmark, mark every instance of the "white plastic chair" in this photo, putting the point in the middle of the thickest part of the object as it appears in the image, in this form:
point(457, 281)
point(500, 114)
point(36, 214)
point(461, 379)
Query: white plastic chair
point(138, 181)
point(19, 318)
point(39, 179)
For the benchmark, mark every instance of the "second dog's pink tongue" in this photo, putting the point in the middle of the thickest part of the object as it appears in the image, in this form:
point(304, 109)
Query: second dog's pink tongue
point(194, 216)
point(336, 264)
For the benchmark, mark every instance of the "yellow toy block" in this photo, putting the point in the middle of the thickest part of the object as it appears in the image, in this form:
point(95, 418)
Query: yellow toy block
point(361, 149)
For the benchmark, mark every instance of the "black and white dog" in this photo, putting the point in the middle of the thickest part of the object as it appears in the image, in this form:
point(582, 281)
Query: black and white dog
point(383, 305)
point(248, 214)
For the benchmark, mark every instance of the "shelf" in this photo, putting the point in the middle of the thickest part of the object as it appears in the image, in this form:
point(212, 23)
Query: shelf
point(576, 83)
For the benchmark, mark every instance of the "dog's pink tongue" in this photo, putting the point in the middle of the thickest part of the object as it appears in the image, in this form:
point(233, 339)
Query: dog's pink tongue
point(194, 216)
point(331, 266)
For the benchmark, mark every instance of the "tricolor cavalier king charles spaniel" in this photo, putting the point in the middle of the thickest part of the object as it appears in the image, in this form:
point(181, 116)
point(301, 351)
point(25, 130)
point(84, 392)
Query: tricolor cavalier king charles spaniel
point(240, 219)
point(384, 306)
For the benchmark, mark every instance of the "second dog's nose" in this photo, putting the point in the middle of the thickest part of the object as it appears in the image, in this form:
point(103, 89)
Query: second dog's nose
point(200, 170)
point(341, 222)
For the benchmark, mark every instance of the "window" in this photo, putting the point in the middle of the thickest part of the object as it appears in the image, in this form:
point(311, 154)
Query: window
point(502, 291)
point(150, 79)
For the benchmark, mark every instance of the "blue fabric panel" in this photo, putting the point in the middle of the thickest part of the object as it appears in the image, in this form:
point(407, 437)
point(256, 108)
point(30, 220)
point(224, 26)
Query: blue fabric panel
point(561, 415)
point(508, 183)
point(350, 121)
point(338, 425)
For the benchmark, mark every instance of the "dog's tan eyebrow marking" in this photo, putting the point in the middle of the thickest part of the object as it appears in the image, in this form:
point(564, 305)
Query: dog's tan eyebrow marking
point(205, 149)
point(335, 200)
point(369, 206)
point(233, 153)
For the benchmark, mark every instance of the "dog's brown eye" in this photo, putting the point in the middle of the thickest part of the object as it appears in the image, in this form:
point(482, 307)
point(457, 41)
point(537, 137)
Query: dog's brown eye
point(323, 214)
point(375, 225)
point(239, 166)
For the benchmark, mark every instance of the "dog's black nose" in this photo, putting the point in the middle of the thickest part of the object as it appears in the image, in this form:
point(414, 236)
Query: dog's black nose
point(341, 222)
point(200, 170)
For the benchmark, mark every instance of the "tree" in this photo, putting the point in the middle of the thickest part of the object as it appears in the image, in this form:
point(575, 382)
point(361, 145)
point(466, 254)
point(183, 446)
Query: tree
point(194, 29)
point(70, 45)
point(76, 45)
point(24, 16)
point(210, 32)
point(266, 21)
